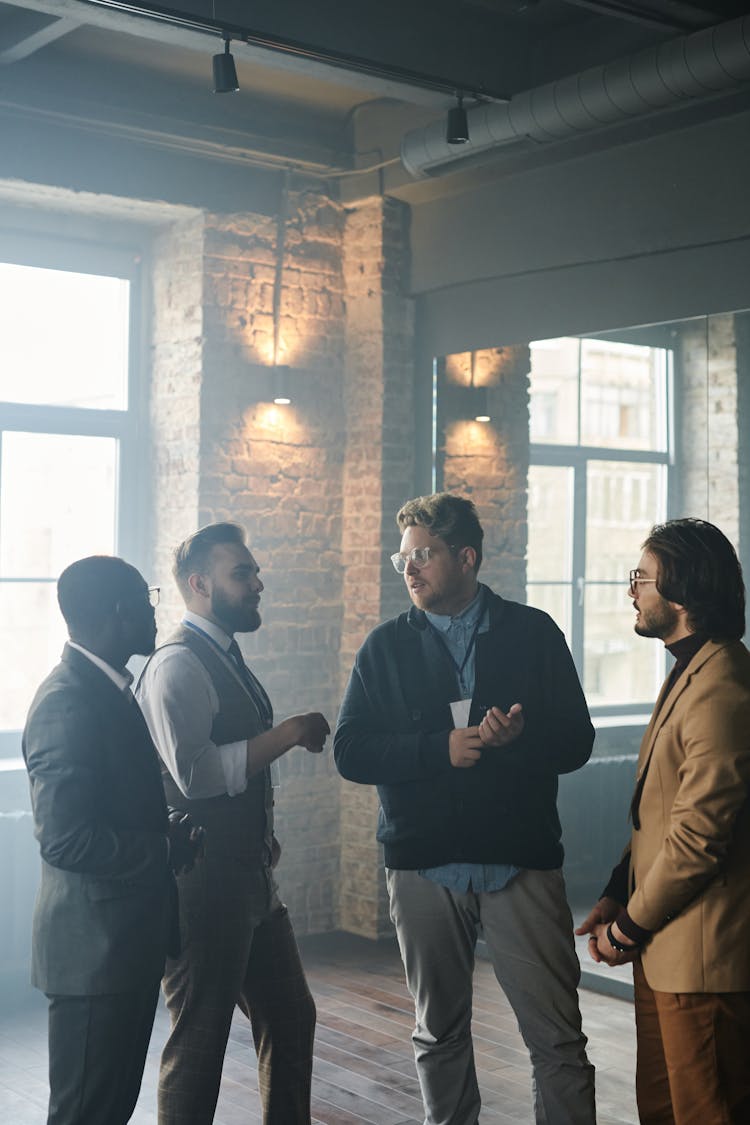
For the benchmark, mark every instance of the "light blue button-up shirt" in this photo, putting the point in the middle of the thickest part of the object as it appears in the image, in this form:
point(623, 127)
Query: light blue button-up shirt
point(459, 634)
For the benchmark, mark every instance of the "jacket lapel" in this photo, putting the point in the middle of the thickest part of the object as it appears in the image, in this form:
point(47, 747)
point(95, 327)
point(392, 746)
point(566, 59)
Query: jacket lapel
point(663, 708)
point(122, 710)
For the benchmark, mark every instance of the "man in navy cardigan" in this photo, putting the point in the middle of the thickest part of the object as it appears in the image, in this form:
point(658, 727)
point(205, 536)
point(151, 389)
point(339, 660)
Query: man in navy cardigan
point(463, 712)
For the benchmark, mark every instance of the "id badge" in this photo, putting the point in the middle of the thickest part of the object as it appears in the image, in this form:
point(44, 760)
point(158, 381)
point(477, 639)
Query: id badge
point(460, 709)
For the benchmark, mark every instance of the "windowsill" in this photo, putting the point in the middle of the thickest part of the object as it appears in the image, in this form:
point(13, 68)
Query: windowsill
point(602, 721)
point(11, 765)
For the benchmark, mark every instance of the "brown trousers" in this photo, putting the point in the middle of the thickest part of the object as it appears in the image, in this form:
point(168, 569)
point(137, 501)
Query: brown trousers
point(239, 950)
point(693, 1056)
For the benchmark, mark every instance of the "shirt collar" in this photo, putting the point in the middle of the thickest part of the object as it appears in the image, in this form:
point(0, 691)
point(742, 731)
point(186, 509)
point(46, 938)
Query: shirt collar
point(215, 632)
point(468, 617)
point(121, 678)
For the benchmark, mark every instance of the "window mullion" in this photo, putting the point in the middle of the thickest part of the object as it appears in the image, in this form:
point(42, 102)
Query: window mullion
point(580, 487)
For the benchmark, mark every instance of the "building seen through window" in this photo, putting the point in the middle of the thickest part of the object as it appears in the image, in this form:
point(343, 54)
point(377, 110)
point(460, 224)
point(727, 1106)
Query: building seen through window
point(597, 482)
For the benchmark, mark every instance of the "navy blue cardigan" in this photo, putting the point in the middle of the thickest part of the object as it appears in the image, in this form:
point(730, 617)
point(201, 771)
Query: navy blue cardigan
point(393, 732)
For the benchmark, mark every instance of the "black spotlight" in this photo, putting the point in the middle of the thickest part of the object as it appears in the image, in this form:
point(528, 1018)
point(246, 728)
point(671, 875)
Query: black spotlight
point(225, 73)
point(457, 130)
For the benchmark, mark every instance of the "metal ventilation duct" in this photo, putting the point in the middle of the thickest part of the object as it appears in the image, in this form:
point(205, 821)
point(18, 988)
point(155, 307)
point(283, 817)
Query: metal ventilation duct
point(695, 66)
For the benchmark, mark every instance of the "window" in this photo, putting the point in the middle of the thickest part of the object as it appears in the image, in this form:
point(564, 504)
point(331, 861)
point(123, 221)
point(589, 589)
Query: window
point(600, 456)
point(67, 432)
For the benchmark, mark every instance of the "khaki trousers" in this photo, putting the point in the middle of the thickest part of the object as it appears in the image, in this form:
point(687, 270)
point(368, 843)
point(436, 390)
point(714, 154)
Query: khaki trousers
point(529, 935)
point(693, 1056)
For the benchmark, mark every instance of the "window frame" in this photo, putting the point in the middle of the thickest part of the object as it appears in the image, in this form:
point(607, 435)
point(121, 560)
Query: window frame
point(577, 457)
point(124, 426)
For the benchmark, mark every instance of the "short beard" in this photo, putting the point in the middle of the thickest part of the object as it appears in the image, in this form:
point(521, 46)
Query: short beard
point(660, 623)
point(236, 619)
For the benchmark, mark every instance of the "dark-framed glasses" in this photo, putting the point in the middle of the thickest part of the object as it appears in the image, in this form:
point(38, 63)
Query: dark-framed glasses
point(418, 558)
point(635, 580)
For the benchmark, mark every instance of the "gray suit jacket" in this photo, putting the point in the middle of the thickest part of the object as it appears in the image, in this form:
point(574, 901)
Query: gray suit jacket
point(106, 908)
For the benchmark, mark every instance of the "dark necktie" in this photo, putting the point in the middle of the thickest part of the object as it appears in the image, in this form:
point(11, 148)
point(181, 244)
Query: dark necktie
point(254, 687)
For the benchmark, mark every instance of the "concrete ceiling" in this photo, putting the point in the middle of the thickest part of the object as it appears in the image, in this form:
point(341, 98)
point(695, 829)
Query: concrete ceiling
point(325, 88)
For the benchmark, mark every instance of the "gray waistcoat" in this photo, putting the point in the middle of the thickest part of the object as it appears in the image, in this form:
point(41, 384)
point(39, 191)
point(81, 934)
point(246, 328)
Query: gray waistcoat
point(239, 826)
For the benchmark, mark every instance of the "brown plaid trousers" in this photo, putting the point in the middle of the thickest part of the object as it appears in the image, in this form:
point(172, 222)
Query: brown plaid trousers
point(238, 949)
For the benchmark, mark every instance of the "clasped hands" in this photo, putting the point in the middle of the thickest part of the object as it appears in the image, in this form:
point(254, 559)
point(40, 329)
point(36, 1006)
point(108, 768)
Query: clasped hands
point(595, 925)
point(465, 744)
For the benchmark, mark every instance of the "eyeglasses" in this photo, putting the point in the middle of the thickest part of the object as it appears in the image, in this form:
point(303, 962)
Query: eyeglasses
point(418, 558)
point(154, 594)
point(635, 579)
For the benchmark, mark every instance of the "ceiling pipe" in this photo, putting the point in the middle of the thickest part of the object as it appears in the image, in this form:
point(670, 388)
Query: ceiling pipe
point(691, 68)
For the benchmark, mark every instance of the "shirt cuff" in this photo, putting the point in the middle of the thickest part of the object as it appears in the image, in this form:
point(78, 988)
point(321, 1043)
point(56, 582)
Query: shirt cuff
point(233, 758)
point(631, 930)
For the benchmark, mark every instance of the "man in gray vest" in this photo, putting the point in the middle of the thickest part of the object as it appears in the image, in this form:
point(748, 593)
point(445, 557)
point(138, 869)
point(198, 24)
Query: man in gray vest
point(212, 724)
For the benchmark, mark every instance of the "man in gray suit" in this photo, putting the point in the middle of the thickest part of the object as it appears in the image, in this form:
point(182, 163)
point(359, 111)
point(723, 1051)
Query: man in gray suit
point(106, 911)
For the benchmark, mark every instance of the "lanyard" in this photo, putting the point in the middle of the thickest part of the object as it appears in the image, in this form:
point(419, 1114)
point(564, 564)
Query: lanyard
point(203, 633)
point(459, 668)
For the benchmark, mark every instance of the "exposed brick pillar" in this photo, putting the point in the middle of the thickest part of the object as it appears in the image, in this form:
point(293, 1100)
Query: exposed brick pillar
point(488, 462)
point(175, 401)
point(222, 451)
point(709, 479)
point(378, 476)
point(277, 471)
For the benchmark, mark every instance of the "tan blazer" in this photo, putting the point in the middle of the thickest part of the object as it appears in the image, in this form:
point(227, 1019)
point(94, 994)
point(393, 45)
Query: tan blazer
point(690, 858)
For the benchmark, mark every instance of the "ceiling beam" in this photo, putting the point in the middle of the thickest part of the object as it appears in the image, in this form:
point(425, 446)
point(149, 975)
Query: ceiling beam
point(674, 15)
point(199, 38)
point(34, 42)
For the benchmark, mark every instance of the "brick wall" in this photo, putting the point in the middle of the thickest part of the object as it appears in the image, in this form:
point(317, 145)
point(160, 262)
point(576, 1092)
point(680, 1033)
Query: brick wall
point(174, 402)
point(708, 435)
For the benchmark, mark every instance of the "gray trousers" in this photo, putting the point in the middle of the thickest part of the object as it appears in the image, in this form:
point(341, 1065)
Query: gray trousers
point(529, 933)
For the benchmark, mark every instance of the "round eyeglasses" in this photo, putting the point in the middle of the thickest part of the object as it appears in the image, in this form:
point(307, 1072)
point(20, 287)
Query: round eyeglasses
point(635, 580)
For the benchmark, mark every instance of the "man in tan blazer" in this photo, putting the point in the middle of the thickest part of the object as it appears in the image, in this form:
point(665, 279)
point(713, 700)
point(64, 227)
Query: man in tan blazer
point(678, 904)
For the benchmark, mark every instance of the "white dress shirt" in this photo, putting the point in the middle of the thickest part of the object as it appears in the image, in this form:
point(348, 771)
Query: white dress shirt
point(122, 679)
point(179, 702)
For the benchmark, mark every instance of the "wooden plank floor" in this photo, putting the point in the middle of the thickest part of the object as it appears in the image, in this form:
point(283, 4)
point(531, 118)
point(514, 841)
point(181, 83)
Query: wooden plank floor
point(364, 1069)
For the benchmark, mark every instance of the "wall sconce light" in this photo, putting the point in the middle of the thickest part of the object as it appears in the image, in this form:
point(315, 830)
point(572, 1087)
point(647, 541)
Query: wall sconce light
point(463, 401)
point(478, 396)
point(479, 404)
point(457, 125)
point(225, 72)
point(281, 388)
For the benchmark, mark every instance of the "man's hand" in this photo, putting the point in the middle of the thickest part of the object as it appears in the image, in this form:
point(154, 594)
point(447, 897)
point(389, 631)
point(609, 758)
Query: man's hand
point(595, 924)
point(464, 747)
point(309, 731)
point(186, 842)
point(498, 729)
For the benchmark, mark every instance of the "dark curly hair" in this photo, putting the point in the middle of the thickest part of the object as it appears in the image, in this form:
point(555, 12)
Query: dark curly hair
point(699, 569)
